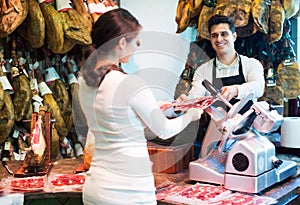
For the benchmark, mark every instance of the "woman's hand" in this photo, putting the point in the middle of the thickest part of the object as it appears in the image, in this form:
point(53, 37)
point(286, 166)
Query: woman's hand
point(195, 113)
point(182, 97)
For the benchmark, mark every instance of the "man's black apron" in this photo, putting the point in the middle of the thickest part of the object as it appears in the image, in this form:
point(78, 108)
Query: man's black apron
point(219, 83)
point(232, 80)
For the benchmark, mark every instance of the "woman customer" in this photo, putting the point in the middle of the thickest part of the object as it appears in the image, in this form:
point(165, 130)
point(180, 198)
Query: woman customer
point(118, 107)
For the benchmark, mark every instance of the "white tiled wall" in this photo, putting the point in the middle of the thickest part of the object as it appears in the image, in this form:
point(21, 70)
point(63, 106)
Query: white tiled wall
point(162, 50)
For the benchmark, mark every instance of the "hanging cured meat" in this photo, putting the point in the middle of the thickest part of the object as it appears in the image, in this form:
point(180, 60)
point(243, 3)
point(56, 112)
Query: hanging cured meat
point(183, 16)
point(276, 21)
point(238, 11)
point(67, 46)
point(55, 142)
point(291, 7)
point(12, 14)
point(205, 14)
point(184, 19)
point(260, 14)
point(81, 7)
point(78, 115)
point(273, 94)
point(54, 25)
point(7, 110)
point(248, 30)
point(186, 11)
point(196, 7)
point(289, 78)
point(75, 28)
point(22, 96)
point(7, 115)
point(33, 28)
point(1, 96)
point(179, 9)
point(61, 96)
point(249, 16)
point(54, 109)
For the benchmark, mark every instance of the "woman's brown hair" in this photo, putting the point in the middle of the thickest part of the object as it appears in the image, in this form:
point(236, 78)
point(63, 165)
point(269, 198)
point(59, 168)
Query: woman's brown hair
point(106, 32)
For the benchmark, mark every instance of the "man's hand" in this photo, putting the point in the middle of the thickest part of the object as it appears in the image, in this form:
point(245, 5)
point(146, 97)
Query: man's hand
point(229, 92)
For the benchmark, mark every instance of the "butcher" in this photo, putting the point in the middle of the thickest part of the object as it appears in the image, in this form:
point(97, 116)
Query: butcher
point(233, 74)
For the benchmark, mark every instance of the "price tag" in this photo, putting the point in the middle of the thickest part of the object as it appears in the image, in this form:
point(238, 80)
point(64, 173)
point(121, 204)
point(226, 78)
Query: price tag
point(5, 83)
point(44, 89)
point(75, 68)
point(64, 59)
point(7, 146)
point(36, 65)
point(16, 134)
point(4, 69)
point(37, 98)
point(72, 78)
point(92, 7)
point(22, 60)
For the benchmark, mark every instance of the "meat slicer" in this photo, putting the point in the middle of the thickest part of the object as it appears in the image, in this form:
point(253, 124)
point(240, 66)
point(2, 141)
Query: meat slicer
point(236, 152)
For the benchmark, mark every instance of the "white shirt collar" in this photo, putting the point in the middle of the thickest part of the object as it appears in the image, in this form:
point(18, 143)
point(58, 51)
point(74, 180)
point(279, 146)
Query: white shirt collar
point(234, 64)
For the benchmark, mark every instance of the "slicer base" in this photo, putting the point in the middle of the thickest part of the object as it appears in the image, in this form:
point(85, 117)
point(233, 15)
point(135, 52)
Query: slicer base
point(201, 171)
point(210, 169)
point(255, 184)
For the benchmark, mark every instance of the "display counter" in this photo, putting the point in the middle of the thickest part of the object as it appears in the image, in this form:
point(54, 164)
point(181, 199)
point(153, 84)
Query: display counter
point(286, 192)
point(62, 166)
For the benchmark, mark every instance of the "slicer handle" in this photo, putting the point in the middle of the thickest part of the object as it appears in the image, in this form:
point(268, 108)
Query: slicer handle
point(210, 87)
point(215, 92)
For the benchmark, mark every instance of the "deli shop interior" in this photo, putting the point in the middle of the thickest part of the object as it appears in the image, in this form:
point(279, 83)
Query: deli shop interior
point(224, 157)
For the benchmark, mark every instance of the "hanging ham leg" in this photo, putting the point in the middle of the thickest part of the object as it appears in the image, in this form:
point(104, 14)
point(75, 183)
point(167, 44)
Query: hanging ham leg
point(12, 14)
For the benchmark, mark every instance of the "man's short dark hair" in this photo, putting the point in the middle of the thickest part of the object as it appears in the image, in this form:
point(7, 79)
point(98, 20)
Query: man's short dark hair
point(218, 19)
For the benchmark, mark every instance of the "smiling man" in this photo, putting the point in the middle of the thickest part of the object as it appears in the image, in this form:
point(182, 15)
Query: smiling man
point(234, 74)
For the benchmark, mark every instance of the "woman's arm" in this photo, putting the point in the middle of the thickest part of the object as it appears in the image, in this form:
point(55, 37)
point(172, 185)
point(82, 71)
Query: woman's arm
point(145, 105)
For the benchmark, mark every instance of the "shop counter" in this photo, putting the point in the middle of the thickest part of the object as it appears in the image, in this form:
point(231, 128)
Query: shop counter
point(286, 192)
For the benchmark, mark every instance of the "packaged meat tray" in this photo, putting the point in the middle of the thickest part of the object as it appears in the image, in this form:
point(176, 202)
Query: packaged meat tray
point(3, 187)
point(168, 188)
point(66, 182)
point(238, 198)
point(27, 184)
point(199, 194)
point(206, 194)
